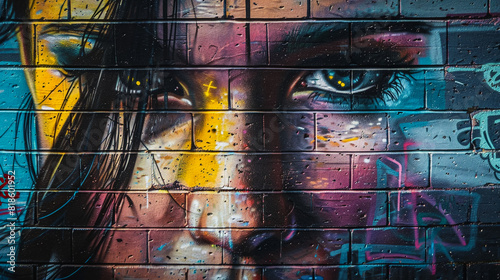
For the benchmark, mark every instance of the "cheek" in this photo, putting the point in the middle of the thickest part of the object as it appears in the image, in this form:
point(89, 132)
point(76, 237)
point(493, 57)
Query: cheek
point(54, 91)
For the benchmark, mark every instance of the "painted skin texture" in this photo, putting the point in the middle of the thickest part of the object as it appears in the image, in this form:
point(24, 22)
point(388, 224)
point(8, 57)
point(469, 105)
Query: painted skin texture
point(217, 163)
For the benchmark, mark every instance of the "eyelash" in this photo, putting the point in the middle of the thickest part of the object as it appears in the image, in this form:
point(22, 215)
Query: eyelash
point(389, 86)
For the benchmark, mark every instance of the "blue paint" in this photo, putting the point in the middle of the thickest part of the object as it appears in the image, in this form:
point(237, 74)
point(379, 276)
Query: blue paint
point(162, 246)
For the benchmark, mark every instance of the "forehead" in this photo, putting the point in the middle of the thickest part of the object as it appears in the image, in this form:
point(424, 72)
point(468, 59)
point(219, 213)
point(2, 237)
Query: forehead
point(85, 9)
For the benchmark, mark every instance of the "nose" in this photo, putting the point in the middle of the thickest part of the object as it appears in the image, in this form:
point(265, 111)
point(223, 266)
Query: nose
point(236, 211)
point(226, 173)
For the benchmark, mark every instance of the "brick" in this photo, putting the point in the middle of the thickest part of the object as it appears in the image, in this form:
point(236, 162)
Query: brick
point(17, 163)
point(426, 8)
point(67, 176)
point(314, 247)
point(229, 131)
point(236, 9)
point(485, 134)
point(415, 44)
point(22, 272)
point(12, 83)
point(157, 126)
point(261, 89)
point(464, 243)
point(252, 246)
point(483, 271)
point(151, 272)
point(122, 246)
point(85, 10)
point(66, 209)
point(351, 272)
point(473, 42)
point(429, 207)
point(7, 138)
point(167, 131)
point(53, 50)
point(289, 132)
point(278, 9)
point(351, 132)
point(227, 44)
point(121, 35)
point(151, 210)
point(435, 90)
point(389, 171)
point(45, 245)
point(288, 210)
point(429, 271)
point(302, 273)
point(16, 172)
point(460, 170)
point(195, 9)
point(124, 34)
point(407, 245)
point(185, 247)
point(485, 207)
point(172, 92)
point(392, 90)
point(210, 92)
point(185, 171)
point(310, 44)
point(202, 273)
point(465, 88)
point(429, 131)
point(255, 172)
point(42, 10)
point(224, 210)
point(332, 272)
point(350, 9)
point(316, 171)
point(349, 209)
point(77, 271)
point(368, 272)
point(494, 7)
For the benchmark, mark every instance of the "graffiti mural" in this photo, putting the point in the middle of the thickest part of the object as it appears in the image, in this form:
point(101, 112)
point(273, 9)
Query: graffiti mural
point(163, 139)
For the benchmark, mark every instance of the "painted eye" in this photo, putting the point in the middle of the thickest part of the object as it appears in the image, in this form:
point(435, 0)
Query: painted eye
point(68, 49)
point(347, 82)
point(135, 82)
point(327, 88)
point(162, 89)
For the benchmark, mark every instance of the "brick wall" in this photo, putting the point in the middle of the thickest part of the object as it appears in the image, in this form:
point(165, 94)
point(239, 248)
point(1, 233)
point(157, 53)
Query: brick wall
point(226, 139)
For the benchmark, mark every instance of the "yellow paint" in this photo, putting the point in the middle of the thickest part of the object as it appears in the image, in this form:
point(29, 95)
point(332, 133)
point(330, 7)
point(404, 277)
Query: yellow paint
point(322, 138)
point(209, 86)
point(349, 139)
point(207, 170)
point(51, 88)
point(138, 83)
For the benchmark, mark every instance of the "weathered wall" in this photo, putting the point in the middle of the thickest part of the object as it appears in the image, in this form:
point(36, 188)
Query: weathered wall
point(223, 139)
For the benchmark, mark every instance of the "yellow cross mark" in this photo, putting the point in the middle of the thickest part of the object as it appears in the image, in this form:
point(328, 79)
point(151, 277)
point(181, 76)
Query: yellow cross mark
point(209, 86)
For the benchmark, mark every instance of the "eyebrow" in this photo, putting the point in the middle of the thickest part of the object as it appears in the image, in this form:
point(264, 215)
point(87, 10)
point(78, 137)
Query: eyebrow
point(339, 38)
point(62, 27)
point(323, 33)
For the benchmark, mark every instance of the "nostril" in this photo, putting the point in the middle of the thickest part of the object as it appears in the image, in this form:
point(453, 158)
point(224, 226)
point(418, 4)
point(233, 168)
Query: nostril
point(224, 211)
point(262, 246)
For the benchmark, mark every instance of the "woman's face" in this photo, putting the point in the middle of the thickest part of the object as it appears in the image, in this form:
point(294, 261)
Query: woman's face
point(268, 142)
